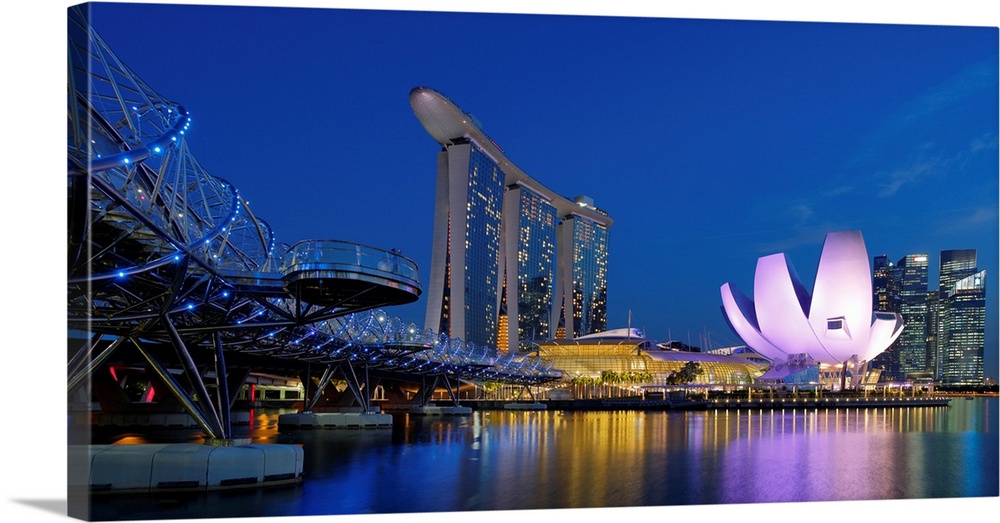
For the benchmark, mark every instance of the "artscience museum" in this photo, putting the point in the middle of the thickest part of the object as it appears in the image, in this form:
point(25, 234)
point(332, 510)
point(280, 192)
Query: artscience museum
point(834, 325)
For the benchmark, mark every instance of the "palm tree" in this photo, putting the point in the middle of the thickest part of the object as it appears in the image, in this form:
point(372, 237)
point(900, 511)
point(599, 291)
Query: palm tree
point(689, 372)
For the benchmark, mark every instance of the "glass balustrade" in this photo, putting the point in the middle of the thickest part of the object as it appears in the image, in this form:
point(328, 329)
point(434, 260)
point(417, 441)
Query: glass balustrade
point(320, 254)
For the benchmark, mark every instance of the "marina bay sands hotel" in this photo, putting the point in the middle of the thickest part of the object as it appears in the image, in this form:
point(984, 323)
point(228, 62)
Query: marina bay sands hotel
point(511, 259)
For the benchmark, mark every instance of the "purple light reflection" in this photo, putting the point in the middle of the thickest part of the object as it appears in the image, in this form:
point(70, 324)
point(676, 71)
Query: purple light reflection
point(497, 460)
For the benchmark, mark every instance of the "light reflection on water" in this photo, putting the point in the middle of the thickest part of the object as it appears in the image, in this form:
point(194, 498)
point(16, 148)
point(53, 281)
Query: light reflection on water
point(533, 460)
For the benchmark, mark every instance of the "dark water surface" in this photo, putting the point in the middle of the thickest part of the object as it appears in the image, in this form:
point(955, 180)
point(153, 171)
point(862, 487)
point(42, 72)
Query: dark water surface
point(495, 460)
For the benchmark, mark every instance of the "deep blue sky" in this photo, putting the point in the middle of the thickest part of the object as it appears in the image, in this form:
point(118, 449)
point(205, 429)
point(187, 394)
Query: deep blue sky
point(710, 142)
point(740, 138)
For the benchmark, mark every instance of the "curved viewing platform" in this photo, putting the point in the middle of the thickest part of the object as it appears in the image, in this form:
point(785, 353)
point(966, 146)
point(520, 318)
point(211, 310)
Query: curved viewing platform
point(333, 272)
point(171, 272)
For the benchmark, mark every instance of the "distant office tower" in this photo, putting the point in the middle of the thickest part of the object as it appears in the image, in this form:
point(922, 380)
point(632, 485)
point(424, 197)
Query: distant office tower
point(964, 331)
point(912, 344)
point(885, 298)
point(883, 289)
point(503, 239)
point(935, 306)
point(954, 266)
point(959, 330)
point(886, 285)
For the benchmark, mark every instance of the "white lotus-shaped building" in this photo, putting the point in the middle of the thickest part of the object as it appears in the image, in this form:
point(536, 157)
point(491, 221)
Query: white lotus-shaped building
point(834, 325)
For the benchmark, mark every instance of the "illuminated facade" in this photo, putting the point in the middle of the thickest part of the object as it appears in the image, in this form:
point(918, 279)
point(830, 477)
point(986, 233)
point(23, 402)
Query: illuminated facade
point(533, 255)
point(639, 360)
point(500, 237)
point(835, 325)
point(914, 359)
point(944, 334)
point(472, 187)
point(954, 265)
point(502, 328)
point(584, 275)
point(885, 285)
point(964, 331)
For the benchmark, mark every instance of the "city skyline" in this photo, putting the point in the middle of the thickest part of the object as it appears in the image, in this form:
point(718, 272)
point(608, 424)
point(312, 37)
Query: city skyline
point(35, 38)
point(728, 141)
point(945, 325)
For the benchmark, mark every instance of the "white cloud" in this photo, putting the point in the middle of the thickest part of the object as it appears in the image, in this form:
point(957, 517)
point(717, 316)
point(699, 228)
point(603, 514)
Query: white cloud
point(969, 219)
point(802, 236)
point(895, 180)
point(986, 142)
point(801, 213)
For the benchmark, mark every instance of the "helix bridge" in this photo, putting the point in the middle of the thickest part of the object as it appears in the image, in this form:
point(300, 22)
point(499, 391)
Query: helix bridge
point(167, 261)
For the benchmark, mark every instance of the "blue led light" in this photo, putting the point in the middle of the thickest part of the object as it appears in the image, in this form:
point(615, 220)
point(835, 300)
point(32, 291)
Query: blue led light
point(125, 160)
point(190, 306)
point(157, 149)
point(121, 274)
point(225, 294)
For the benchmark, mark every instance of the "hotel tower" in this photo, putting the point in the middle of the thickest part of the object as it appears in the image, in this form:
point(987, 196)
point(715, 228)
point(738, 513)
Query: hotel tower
point(511, 259)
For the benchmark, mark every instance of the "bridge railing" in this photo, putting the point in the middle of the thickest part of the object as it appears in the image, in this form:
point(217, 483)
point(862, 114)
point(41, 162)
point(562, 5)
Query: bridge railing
point(337, 254)
point(132, 143)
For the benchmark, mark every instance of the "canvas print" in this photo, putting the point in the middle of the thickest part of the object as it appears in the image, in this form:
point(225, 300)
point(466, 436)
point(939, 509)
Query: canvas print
point(328, 261)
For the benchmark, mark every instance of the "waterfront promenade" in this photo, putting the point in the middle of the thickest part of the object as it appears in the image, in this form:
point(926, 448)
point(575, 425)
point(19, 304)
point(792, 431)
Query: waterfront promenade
point(638, 403)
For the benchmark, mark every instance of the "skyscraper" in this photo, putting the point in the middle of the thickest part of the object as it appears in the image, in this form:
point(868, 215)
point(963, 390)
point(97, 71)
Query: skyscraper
point(935, 307)
point(912, 343)
point(885, 298)
point(883, 291)
point(959, 330)
point(954, 266)
point(530, 286)
point(470, 188)
point(502, 238)
point(583, 282)
point(964, 331)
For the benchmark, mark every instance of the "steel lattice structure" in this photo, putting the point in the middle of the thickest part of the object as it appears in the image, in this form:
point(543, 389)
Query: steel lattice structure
point(160, 252)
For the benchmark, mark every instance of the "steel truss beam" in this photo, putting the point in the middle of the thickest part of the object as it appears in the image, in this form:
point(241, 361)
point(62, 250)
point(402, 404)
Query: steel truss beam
point(163, 252)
